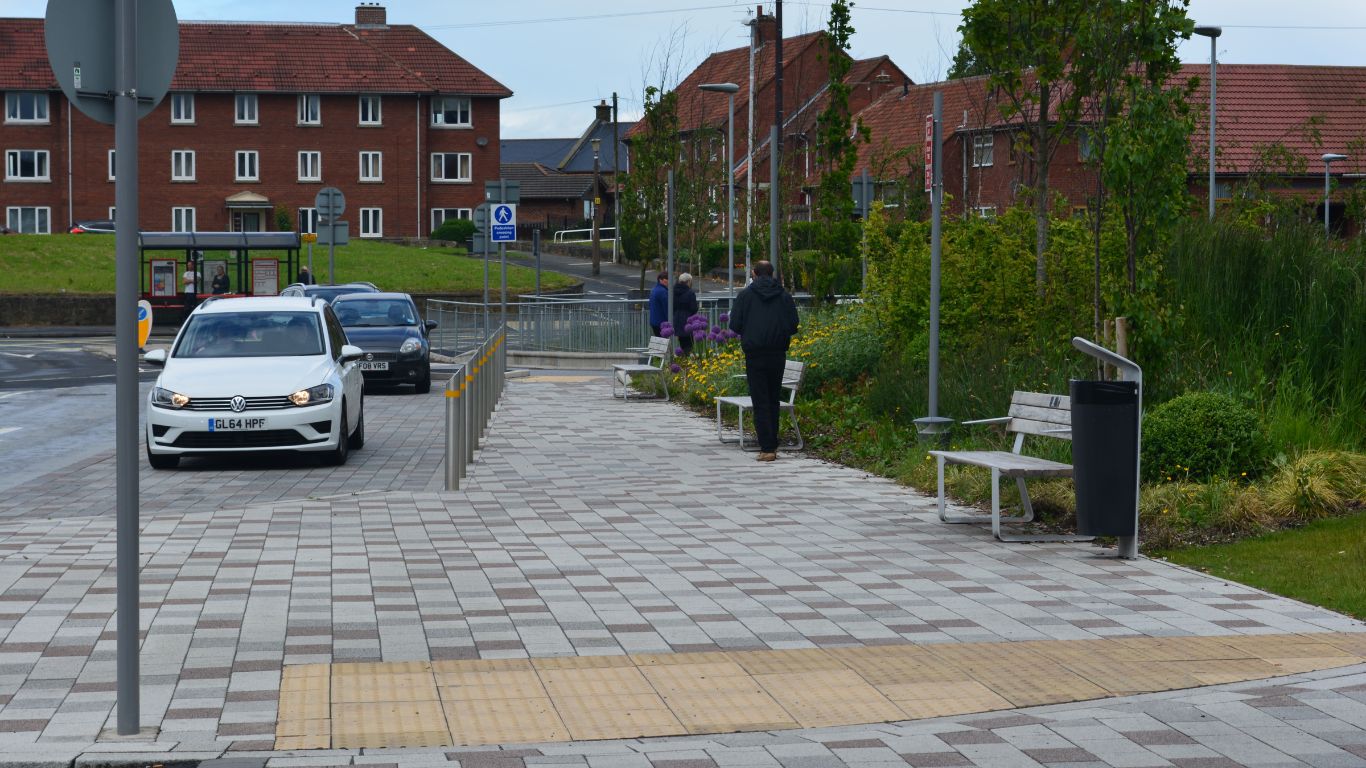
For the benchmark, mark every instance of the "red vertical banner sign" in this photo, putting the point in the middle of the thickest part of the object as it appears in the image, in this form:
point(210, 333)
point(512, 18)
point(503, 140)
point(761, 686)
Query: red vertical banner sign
point(929, 152)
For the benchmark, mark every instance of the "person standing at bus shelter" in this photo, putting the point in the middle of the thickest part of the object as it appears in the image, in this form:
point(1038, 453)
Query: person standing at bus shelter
point(189, 288)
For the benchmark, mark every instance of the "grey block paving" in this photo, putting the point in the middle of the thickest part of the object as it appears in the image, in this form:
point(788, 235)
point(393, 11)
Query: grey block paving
point(590, 526)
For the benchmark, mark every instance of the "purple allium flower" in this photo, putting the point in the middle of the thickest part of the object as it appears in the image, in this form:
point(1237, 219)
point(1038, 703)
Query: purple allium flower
point(713, 337)
point(725, 317)
point(698, 335)
point(678, 351)
point(666, 326)
point(716, 329)
point(675, 368)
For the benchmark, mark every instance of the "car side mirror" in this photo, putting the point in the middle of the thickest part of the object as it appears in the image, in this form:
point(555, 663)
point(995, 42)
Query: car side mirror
point(156, 356)
point(351, 352)
point(429, 325)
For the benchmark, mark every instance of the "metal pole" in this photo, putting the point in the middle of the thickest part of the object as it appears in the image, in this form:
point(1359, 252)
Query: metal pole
point(1213, 88)
point(669, 209)
point(488, 233)
point(867, 203)
point(730, 198)
point(616, 173)
point(749, 159)
point(936, 197)
point(503, 258)
point(1326, 194)
point(773, 200)
point(310, 257)
point(596, 238)
point(127, 455)
point(536, 251)
point(452, 434)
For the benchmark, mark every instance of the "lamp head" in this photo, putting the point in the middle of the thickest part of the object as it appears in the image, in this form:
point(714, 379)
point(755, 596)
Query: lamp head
point(719, 87)
point(1331, 157)
point(1207, 31)
point(597, 144)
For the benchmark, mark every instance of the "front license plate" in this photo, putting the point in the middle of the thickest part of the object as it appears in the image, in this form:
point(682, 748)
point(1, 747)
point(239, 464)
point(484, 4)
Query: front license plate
point(374, 366)
point(236, 425)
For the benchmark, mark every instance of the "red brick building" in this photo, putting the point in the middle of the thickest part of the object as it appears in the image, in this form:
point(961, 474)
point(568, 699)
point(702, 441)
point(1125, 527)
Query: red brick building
point(258, 119)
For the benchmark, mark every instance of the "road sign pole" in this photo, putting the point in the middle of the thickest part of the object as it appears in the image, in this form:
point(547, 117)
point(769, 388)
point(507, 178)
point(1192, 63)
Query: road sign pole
point(486, 281)
point(310, 259)
point(127, 456)
point(503, 254)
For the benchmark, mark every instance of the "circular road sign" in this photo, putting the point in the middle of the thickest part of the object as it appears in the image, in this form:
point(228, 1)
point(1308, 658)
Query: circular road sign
point(80, 37)
point(330, 203)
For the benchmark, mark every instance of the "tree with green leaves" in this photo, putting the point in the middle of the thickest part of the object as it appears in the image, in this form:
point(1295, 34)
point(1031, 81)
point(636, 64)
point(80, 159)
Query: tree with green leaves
point(837, 142)
point(1029, 50)
point(644, 196)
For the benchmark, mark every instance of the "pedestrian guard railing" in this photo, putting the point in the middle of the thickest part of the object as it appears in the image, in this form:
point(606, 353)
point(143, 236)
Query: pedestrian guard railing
point(605, 234)
point(472, 393)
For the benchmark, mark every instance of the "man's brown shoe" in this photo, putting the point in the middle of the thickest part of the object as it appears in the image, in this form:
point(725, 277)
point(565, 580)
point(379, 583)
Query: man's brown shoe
point(768, 456)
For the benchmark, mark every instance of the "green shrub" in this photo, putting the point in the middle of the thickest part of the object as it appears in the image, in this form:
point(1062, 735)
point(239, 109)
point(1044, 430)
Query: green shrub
point(454, 230)
point(1202, 435)
point(839, 344)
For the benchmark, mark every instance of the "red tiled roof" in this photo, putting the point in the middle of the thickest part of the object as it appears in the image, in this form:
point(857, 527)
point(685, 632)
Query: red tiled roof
point(321, 58)
point(896, 122)
point(1258, 105)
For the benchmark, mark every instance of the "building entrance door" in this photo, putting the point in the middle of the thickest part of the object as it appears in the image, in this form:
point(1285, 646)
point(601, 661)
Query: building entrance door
point(246, 221)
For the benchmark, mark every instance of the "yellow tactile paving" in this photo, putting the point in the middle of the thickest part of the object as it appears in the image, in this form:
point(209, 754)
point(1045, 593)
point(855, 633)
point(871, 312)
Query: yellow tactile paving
point(611, 697)
point(501, 721)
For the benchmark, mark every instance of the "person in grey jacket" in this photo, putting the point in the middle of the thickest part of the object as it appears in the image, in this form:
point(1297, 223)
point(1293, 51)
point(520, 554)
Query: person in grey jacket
point(765, 316)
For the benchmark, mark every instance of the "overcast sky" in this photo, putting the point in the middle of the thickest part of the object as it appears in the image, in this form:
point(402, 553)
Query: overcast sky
point(560, 56)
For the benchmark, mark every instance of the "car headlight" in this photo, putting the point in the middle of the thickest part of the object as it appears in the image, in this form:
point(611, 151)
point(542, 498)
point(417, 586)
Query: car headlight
point(313, 395)
point(165, 398)
point(410, 347)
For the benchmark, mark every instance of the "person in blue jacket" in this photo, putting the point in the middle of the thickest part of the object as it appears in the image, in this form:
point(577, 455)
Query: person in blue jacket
point(659, 302)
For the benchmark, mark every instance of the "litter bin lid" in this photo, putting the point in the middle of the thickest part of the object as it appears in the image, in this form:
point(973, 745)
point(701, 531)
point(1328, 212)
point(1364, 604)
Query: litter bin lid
point(1088, 392)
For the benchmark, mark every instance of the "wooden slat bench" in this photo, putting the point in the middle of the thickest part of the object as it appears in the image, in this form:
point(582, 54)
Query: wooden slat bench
point(1031, 413)
point(656, 358)
point(792, 381)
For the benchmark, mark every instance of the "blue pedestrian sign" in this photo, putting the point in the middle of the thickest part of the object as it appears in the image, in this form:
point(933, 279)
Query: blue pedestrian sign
point(503, 228)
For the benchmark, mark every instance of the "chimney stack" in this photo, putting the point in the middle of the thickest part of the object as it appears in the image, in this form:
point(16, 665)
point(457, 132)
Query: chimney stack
point(371, 15)
point(604, 112)
point(765, 28)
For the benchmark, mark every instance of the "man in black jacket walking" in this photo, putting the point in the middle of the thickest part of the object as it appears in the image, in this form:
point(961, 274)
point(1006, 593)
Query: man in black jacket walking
point(765, 316)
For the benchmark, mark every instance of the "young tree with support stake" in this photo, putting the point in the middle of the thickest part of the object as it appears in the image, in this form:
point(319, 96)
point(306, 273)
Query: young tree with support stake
point(837, 140)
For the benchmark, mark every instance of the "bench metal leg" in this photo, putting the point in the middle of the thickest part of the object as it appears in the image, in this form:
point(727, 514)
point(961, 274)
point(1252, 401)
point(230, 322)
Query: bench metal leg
point(720, 432)
point(1026, 517)
point(801, 443)
point(994, 518)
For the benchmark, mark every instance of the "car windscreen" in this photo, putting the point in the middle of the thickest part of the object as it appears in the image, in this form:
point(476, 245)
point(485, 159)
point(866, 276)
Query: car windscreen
point(251, 334)
point(360, 313)
point(330, 292)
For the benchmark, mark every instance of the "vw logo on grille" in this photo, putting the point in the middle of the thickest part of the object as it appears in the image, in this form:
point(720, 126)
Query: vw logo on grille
point(238, 404)
point(369, 355)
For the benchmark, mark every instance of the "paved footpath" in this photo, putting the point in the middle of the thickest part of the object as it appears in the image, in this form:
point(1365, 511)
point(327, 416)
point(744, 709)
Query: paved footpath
point(592, 527)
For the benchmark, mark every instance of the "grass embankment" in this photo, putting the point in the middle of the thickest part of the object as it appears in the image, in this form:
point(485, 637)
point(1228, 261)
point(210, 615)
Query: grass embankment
point(1323, 563)
point(85, 264)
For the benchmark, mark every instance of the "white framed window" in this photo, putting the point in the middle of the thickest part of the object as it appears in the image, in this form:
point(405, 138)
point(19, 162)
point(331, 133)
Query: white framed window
point(111, 213)
point(310, 109)
point(182, 219)
point(248, 165)
point(26, 165)
point(111, 165)
point(310, 166)
point(372, 166)
point(439, 215)
point(370, 111)
point(182, 109)
point(29, 220)
point(372, 222)
point(308, 221)
point(983, 150)
point(451, 111)
point(26, 107)
point(1086, 147)
point(985, 211)
point(182, 165)
point(246, 109)
point(451, 166)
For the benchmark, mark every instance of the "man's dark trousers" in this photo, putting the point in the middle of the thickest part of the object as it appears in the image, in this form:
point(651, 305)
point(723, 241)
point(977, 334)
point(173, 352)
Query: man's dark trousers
point(764, 372)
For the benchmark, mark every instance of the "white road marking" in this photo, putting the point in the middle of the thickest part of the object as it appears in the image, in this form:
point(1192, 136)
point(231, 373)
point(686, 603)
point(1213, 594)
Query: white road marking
point(16, 354)
point(7, 430)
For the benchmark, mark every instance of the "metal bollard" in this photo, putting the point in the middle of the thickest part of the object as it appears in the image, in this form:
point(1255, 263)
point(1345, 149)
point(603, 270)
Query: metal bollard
point(454, 431)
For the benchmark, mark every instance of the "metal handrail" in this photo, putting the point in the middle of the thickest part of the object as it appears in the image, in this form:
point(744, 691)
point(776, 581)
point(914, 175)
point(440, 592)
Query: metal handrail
point(559, 236)
point(472, 394)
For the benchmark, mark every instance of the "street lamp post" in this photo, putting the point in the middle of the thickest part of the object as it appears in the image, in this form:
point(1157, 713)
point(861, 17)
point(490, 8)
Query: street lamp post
point(1213, 34)
point(729, 89)
point(597, 242)
point(1328, 160)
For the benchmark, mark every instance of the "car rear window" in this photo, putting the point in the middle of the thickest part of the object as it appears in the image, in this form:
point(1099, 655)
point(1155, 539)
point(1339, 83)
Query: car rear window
point(355, 313)
point(251, 334)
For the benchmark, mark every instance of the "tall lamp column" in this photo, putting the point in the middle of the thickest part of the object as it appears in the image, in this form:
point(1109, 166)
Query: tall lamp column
point(597, 201)
point(1328, 160)
point(729, 89)
point(1213, 34)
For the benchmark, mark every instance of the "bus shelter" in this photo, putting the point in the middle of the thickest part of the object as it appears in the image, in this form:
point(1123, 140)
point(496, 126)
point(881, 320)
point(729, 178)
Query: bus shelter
point(254, 263)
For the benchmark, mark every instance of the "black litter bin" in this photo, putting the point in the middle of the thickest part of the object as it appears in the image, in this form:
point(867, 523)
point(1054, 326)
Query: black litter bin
point(1105, 456)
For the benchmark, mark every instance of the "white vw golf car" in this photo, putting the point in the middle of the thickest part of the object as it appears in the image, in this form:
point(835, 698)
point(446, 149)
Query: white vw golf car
point(247, 375)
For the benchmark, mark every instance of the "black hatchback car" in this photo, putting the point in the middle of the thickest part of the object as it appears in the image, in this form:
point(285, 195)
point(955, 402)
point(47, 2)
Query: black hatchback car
point(392, 333)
